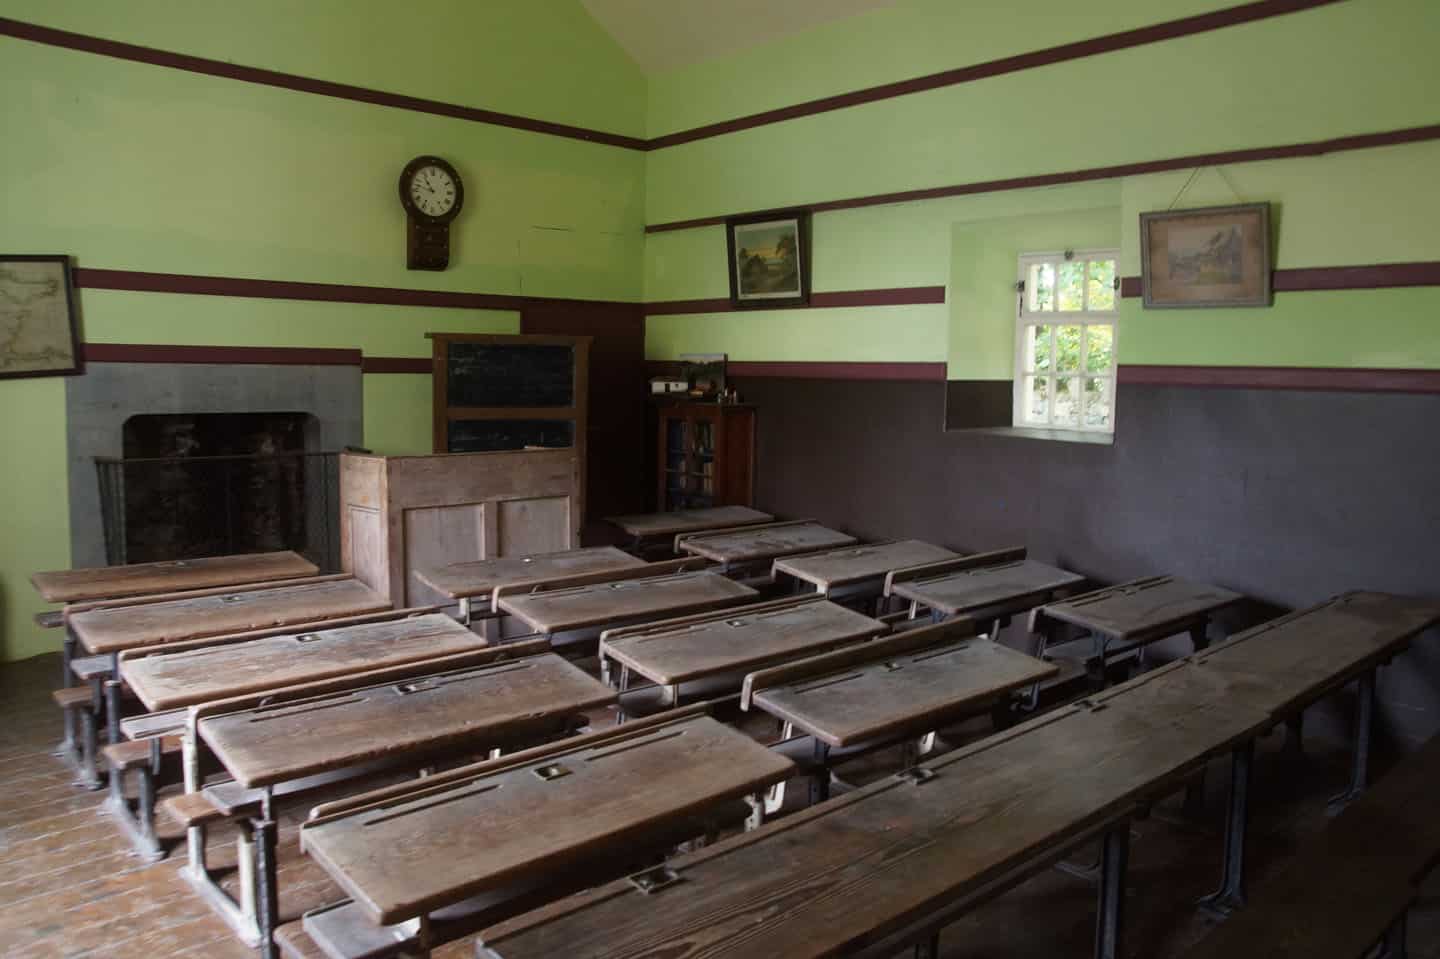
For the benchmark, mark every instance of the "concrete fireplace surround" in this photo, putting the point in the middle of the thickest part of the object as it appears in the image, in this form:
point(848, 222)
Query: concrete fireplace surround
point(99, 402)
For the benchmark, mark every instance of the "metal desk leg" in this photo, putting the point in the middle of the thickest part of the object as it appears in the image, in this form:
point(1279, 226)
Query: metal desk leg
point(1110, 917)
point(67, 653)
point(1364, 725)
point(623, 685)
point(930, 948)
point(1231, 894)
point(112, 711)
point(267, 893)
point(820, 781)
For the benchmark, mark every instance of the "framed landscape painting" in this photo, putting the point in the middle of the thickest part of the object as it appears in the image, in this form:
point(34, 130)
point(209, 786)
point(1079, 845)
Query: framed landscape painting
point(1215, 256)
point(38, 334)
point(769, 259)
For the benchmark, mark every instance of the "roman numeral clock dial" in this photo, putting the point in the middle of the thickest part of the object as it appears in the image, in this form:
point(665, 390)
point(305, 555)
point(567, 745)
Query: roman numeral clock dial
point(432, 195)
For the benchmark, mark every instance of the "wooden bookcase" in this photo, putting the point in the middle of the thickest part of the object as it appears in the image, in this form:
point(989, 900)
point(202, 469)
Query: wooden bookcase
point(705, 455)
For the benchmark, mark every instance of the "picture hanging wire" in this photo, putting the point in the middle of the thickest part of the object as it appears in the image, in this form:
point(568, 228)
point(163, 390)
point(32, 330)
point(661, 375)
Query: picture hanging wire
point(1219, 171)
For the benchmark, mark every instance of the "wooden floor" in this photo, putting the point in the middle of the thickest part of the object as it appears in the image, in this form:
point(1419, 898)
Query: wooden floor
point(70, 888)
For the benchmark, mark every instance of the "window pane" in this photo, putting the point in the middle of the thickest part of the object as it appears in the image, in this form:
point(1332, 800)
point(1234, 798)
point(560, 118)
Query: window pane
point(1102, 284)
point(1067, 401)
point(1072, 286)
point(1037, 348)
point(1037, 399)
point(1099, 401)
point(1067, 349)
point(1040, 288)
point(1099, 348)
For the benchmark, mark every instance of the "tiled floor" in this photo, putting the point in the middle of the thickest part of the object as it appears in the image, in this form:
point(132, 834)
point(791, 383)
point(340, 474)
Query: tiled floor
point(68, 886)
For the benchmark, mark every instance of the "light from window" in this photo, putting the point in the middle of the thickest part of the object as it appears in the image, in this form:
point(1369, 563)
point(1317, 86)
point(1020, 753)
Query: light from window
point(1065, 341)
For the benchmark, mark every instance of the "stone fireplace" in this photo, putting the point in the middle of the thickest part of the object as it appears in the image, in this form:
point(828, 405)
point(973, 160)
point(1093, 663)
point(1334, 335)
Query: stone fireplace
point(220, 415)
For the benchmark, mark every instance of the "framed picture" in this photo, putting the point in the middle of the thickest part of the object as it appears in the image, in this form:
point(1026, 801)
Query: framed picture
point(1215, 256)
point(769, 259)
point(38, 330)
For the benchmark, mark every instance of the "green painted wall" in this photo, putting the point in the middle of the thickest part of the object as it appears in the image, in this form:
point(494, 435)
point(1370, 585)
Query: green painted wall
point(1359, 66)
point(982, 281)
point(127, 166)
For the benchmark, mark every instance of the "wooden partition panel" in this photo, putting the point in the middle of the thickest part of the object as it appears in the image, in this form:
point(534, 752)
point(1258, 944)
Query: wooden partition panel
point(400, 514)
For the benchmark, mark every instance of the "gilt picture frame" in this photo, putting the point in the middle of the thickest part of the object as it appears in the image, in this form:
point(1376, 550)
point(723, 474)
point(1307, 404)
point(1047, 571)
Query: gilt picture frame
point(1209, 257)
point(39, 326)
point(769, 259)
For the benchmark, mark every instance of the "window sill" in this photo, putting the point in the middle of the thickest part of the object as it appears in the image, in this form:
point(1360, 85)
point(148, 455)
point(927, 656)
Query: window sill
point(1083, 437)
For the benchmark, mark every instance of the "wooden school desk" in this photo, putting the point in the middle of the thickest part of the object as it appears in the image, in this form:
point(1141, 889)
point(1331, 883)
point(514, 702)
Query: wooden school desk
point(885, 866)
point(717, 649)
point(1136, 613)
point(111, 629)
point(859, 571)
point(465, 582)
point(533, 820)
point(504, 696)
point(985, 586)
point(564, 609)
point(1288, 664)
point(736, 549)
point(143, 579)
point(661, 526)
point(878, 693)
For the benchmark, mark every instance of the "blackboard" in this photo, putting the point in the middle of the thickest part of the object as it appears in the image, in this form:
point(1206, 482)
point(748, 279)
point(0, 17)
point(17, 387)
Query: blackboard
point(510, 374)
point(487, 436)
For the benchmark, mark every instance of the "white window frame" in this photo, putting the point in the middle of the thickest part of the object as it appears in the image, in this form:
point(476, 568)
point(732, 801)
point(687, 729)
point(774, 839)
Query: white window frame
point(1083, 318)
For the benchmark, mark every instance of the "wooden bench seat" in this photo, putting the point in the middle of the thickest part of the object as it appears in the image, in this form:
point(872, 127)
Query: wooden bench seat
point(138, 753)
point(51, 619)
point(86, 668)
point(193, 809)
point(73, 697)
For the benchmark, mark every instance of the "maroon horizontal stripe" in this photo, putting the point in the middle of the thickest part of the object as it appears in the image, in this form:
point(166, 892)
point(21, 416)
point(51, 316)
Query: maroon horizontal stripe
point(291, 81)
point(1376, 276)
point(396, 364)
point(1308, 149)
point(1109, 43)
point(1338, 379)
point(893, 296)
point(839, 371)
point(268, 355)
point(134, 280)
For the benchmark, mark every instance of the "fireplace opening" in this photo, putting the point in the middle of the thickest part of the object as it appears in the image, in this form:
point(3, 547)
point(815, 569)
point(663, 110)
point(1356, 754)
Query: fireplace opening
point(192, 485)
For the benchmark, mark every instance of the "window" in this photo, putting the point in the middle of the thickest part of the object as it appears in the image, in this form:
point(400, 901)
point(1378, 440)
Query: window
point(1065, 341)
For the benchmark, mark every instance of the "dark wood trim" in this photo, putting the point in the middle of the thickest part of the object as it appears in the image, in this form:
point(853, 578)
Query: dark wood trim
point(290, 81)
point(1377, 276)
point(979, 404)
point(932, 372)
point(1334, 379)
point(894, 296)
point(1109, 43)
point(137, 281)
point(1311, 148)
point(397, 364)
point(267, 355)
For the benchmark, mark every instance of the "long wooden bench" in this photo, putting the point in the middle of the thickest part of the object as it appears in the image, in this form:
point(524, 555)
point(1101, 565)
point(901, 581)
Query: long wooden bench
point(1351, 886)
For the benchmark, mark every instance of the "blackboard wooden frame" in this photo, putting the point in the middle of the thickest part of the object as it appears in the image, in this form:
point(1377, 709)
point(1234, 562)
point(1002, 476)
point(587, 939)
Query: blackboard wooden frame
point(577, 413)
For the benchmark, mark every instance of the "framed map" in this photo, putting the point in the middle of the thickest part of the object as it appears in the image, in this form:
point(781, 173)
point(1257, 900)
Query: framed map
point(38, 334)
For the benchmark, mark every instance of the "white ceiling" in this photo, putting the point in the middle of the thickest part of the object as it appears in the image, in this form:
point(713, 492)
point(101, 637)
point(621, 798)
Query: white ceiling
point(661, 35)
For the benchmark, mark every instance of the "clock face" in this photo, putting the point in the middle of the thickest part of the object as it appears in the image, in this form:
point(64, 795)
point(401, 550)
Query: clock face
point(432, 190)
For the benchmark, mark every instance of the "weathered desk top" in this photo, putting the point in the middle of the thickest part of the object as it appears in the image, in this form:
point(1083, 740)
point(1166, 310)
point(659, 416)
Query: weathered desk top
point(1301, 656)
point(170, 680)
point(416, 852)
point(478, 706)
point(142, 579)
point(688, 520)
point(842, 567)
point(975, 589)
point(888, 695)
point(127, 627)
point(597, 604)
point(479, 578)
point(1142, 609)
point(763, 542)
point(826, 880)
point(737, 640)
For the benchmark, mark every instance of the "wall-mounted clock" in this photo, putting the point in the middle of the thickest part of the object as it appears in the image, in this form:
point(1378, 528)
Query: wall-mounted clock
point(432, 194)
